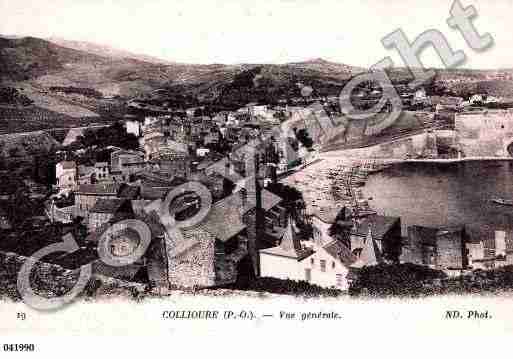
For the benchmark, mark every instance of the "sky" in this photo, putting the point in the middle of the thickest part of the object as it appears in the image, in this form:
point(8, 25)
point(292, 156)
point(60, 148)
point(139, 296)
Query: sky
point(260, 31)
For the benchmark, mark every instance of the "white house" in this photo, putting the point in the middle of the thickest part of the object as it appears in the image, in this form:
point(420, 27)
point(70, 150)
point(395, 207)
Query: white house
point(476, 99)
point(202, 152)
point(133, 126)
point(102, 172)
point(491, 99)
point(327, 266)
point(421, 98)
point(66, 174)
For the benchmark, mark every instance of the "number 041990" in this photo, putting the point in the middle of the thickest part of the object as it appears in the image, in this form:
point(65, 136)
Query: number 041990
point(19, 347)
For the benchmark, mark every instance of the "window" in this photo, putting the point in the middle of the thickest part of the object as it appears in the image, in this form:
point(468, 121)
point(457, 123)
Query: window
point(308, 274)
point(340, 280)
point(312, 261)
point(323, 266)
point(333, 265)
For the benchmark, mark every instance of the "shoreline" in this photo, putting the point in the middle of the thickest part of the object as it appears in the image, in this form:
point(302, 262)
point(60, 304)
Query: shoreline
point(412, 160)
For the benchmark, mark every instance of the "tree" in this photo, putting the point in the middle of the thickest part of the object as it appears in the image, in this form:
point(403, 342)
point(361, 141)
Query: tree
point(294, 202)
point(20, 206)
point(114, 135)
point(305, 139)
point(342, 227)
point(44, 168)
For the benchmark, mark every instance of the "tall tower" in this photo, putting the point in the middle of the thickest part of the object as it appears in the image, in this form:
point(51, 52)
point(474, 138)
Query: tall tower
point(254, 218)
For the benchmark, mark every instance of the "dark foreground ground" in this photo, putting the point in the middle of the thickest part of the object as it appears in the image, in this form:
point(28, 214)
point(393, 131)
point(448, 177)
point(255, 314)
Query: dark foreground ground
point(404, 280)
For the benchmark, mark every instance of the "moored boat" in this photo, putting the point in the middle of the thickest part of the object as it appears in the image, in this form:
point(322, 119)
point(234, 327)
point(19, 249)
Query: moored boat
point(502, 201)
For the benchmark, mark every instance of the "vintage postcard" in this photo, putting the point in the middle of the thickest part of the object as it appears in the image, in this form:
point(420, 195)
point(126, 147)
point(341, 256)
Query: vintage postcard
point(240, 177)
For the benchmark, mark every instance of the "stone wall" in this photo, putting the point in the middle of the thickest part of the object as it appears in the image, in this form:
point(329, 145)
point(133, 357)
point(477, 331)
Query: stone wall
point(423, 144)
point(193, 268)
point(204, 264)
point(450, 250)
point(51, 280)
point(485, 133)
point(413, 252)
point(47, 279)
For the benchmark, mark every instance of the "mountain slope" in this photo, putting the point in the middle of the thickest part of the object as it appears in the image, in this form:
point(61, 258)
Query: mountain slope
point(29, 57)
point(119, 72)
point(45, 64)
point(105, 51)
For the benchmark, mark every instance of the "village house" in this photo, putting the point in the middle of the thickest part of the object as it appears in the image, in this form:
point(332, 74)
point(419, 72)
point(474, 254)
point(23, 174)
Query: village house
point(492, 100)
point(420, 98)
point(211, 137)
point(86, 174)
point(86, 196)
point(61, 215)
point(437, 248)
point(5, 224)
point(224, 245)
point(284, 260)
point(133, 125)
point(384, 233)
point(476, 99)
point(330, 224)
point(248, 109)
point(155, 185)
point(152, 141)
point(446, 104)
point(121, 158)
point(174, 161)
point(107, 209)
point(490, 253)
point(209, 255)
point(327, 266)
point(101, 171)
point(66, 175)
point(125, 164)
point(202, 152)
point(170, 128)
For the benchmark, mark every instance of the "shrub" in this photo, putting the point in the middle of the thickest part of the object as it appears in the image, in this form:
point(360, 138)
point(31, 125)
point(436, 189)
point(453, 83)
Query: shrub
point(394, 279)
point(280, 286)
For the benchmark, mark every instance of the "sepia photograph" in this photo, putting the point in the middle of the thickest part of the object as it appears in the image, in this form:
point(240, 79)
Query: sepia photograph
point(239, 172)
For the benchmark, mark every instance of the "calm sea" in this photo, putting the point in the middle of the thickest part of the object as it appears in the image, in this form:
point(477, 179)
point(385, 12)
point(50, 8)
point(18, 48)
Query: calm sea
point(445, 194)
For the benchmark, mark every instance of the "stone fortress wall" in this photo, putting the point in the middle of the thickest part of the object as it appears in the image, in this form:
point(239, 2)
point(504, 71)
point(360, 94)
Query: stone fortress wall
point(484, 133)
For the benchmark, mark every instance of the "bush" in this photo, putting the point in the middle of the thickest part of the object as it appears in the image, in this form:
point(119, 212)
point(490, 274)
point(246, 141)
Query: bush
point(12, 96)
point(394, 280)
point(280, 286)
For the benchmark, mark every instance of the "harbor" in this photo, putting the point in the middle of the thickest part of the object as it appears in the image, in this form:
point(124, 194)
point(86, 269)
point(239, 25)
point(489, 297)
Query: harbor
point(337, 182)
point(473, 193)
